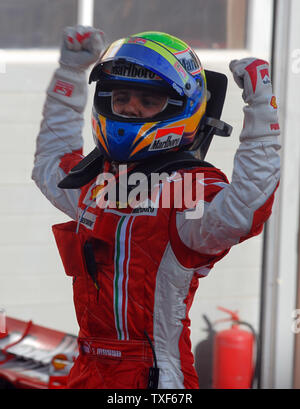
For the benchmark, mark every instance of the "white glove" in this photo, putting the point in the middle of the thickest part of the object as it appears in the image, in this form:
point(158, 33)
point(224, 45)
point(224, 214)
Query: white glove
point(252, 75)
point(81, 47)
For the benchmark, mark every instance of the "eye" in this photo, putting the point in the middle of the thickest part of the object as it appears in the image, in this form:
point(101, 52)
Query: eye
point(149, 101)
point(120, 98)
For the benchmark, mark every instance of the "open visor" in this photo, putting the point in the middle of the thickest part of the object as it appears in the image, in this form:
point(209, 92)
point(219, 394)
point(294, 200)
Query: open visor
point(152, 56)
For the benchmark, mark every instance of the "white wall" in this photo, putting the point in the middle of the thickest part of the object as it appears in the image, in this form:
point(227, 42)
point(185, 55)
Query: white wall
point(32, 283)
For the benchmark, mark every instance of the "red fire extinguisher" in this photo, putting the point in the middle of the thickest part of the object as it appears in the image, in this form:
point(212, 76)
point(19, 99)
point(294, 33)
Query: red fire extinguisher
point(233, 363)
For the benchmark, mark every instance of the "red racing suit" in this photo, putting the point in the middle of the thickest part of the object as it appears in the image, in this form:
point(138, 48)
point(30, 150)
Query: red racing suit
point(147, 261)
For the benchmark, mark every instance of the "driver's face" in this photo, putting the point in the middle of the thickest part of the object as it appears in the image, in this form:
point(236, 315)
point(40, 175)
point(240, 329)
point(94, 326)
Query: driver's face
point(137, 103)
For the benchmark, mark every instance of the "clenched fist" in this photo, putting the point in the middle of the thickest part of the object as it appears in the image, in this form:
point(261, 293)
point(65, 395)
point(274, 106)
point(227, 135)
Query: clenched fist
point(261, 119)
point(81, 47)
point(252, 75)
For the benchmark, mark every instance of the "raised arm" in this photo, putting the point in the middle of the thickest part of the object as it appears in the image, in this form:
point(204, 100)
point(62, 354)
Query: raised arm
point(59, 143)
point(236, 211)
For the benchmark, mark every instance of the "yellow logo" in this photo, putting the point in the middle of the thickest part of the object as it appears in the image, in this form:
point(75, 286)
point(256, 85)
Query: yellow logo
point(273, 102)
point(96, 190)
point(59, 361)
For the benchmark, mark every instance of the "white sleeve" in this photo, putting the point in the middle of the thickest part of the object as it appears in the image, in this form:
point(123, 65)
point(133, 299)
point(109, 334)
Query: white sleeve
point(59, 143)
point(240, 209)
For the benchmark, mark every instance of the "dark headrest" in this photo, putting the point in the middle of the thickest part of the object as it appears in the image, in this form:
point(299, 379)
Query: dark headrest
point(217, 86)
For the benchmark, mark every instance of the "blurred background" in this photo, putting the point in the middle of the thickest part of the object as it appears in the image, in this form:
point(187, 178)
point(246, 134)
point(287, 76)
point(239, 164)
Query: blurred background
point(260, 277)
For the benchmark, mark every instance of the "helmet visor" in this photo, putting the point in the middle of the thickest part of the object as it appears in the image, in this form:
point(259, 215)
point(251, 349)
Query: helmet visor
point(129, 102)
point(154, 57)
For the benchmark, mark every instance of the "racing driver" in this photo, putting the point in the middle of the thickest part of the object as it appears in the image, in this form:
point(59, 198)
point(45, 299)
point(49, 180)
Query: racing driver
point(135, 266)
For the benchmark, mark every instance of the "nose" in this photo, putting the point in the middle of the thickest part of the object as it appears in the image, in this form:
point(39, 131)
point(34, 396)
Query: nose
point(133, 107)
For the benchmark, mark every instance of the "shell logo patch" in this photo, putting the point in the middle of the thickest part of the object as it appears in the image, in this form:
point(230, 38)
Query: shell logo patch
point(59, 361)
point(96, 190)
point(273, 102)
point(167, 138)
